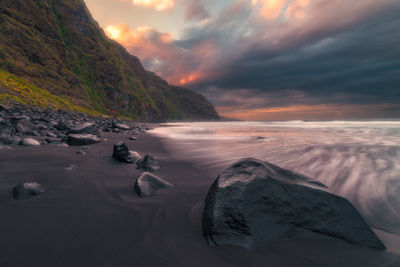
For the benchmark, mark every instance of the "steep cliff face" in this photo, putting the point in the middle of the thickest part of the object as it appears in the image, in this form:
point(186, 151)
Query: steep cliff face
point(53, 54)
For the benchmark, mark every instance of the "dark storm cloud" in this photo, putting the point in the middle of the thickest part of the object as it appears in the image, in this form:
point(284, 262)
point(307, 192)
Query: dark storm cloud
point(358, 64)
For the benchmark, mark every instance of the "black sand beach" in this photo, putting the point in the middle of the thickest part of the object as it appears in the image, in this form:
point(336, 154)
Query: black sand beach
point(91, 216)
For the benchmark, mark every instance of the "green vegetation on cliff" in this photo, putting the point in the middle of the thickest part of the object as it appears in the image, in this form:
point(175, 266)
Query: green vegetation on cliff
point(53, 54)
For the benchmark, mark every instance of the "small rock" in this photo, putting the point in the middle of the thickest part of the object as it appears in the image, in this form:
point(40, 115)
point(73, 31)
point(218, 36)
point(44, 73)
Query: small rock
point(42, 127)
point(24, 126)
point(63, 145)
point(51, 134)
point(136, 156)
point(133, 138)
point(85, 128)
point(122, 153)
point(9, 140)
point(80, 152)
point(121, 126)
point(27, 190)
point(148, 184)
point(148, 163)
point(71, 167)
point(62, 126)
point(29, 142)
point(4, 107)
point(52, 140)
point(82, 139)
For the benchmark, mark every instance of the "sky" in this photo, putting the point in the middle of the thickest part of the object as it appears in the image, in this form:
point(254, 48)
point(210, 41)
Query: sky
point(269, 59)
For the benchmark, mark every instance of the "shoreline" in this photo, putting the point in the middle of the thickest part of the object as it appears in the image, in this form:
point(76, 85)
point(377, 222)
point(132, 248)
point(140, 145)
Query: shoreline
point(92, 216)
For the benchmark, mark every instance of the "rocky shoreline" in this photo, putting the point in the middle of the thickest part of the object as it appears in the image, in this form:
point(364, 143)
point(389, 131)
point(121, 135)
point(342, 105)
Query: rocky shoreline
point(27, 126)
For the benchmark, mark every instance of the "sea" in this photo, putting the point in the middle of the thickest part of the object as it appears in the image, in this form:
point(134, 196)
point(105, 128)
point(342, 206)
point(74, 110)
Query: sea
point(359, 160)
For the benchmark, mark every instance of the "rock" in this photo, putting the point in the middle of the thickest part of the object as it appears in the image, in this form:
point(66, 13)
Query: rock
point(71, 167)
point(51, 134)
point(133, 138)
point(24, 126)
point(122, 153)
point(81, 153)
point(121, 126)
point(62, 126)
point(136, 156)
point(27, 190)
point(148, 163)
point(85, 128)
point(148, 184)
point(82, 139)
point(42, 127)
point(32, 133)
point(4, 107)
point(52, 140)
point(9, 140)
point(63, 145)
point(254, 203)
point(29, 142)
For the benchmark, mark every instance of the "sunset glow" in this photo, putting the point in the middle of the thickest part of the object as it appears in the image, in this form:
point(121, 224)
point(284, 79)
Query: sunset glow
point(158, 5)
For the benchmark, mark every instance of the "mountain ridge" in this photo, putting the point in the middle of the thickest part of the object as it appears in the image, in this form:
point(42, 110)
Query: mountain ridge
point(55, 49)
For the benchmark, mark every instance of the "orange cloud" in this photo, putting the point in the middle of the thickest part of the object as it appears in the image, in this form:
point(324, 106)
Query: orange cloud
point(189, 79)
point(158, 5)
point(270, 9)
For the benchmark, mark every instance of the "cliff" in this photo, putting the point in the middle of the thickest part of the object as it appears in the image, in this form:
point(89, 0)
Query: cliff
point(53, 54)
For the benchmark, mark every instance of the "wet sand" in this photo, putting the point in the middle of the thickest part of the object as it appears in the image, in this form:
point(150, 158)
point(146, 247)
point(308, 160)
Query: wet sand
point(91, 216)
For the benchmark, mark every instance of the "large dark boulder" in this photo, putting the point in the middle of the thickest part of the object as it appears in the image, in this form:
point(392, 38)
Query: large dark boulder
point(85, 128)
point(254, 203)
point(148, 163)
point(148, 184)
point(82, 139)
point(27, 190)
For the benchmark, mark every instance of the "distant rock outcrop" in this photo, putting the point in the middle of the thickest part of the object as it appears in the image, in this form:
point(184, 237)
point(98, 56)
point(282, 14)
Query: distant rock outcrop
point(253, 203)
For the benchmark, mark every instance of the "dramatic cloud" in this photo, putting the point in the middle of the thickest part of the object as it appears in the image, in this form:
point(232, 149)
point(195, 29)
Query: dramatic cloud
point(196, 10)
point(161, 54)
point(270, 54)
